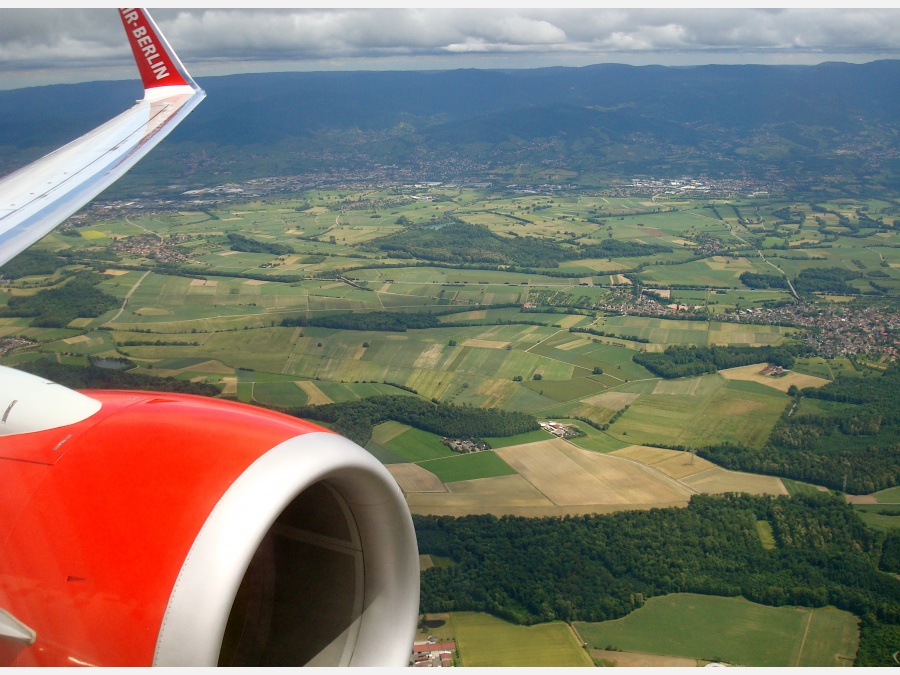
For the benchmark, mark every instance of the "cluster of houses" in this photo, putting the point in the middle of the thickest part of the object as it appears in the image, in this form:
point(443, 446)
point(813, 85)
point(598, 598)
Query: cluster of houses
point(464, 445)
point(774, 371)
point(152, 246)
point(8, 345)
point(560, 430)
point(432, 654)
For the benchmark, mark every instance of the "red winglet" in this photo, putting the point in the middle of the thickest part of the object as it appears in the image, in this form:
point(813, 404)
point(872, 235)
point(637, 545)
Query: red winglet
point(156, 65)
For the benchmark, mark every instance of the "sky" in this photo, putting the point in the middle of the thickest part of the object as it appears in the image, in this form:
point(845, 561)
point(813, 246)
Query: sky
point(56, 44)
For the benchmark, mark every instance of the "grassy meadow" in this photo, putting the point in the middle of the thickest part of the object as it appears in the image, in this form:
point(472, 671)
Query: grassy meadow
point(730, 630)
point(484, 640)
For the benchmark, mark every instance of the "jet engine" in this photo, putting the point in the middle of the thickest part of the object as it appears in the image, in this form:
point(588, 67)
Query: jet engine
point(141, 528)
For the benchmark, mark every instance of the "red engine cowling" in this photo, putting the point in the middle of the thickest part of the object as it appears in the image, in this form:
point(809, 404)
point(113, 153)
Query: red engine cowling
point(176, 530)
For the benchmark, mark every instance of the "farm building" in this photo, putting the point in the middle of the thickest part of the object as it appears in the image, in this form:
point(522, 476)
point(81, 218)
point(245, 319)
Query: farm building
point(432, 654)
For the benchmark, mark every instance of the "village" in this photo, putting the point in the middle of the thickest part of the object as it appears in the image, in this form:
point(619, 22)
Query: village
point(830, 330)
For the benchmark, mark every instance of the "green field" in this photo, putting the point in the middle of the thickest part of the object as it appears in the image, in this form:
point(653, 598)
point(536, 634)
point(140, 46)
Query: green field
point(467, 467)
point(484, 640)
point(879, 516)
point(416, 445)
point(889, 496)
point(766, 535)
point(700, 411)
point(796, 487)
point(730, 630)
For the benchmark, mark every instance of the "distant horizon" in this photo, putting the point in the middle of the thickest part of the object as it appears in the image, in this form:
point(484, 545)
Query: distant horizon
point(65, 46)
point(124, 74)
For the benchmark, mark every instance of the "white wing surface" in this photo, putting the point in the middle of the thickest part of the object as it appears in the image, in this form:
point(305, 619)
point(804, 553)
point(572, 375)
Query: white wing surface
point(38, 197)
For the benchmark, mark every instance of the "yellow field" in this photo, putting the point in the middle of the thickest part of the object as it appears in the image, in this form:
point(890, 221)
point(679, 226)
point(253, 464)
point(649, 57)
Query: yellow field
point(722, 263)
point(639, 660)
point(486, 344)
point(413, 478)
point(682, 386)
point(579, 342)
point(386, 431)
point(230, 385)
point(718, 480)
point(568, 321)
point(489, 493)
point(429, 357)
point(696, 473)
point(116, 273)
point(751, 373)
point(613, 400)
point(216, 367)
point(316, 395)
point(496, 392)
point(569, 476)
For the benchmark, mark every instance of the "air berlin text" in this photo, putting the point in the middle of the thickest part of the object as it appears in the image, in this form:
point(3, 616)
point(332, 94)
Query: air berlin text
point(144, 39)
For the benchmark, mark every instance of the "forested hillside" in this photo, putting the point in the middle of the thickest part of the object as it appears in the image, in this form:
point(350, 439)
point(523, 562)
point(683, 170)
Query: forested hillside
point(307, 121)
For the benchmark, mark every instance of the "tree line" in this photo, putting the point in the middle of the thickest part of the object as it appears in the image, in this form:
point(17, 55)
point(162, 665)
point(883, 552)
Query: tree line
point(681, 361)
point(456, 241)
point(94, 377)
point(593, 331)
point(393, 321)
point(238, 242)
point(355, 419)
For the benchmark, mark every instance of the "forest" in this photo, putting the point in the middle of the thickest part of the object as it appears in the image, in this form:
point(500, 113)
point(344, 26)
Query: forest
point(29, 262)
point(855, 448)
point(827, 280)
point(618, 248)
point(594, 568)
point(758, 281)
point(680, 361)
point(380, 321)
point(399, 322)
point(238, 242)
point(355, 419)
point(56, 307)
point(94, 377)
point(456, 241)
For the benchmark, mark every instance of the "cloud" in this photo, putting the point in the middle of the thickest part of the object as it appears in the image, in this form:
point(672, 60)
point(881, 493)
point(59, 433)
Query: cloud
point(404, 37)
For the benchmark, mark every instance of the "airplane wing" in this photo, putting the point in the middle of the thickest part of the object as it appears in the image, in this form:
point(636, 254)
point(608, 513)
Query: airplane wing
point(37, 198)
point(141, 528)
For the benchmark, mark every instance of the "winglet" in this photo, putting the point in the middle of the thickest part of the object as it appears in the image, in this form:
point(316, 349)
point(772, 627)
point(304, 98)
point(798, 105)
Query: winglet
point(158, 64)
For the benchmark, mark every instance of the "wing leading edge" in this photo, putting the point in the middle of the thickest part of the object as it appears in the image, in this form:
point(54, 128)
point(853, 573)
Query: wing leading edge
point(38, 197)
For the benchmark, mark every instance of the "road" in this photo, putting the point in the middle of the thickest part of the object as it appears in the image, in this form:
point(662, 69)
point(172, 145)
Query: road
point(127, 296)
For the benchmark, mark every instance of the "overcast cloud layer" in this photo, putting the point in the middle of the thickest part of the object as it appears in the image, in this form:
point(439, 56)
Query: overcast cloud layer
point(62, 45)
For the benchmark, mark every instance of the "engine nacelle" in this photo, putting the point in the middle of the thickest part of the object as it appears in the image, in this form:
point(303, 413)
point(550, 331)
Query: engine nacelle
point(169, 529)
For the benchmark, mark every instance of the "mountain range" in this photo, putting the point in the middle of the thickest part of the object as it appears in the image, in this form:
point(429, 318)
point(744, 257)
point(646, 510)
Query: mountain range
point(587, 116)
